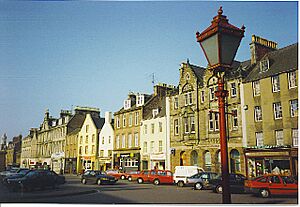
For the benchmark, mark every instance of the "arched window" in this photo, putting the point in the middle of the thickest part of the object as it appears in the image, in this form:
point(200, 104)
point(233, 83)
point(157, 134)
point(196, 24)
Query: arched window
point(218, 161)
point(207, 161)
point(194, 158)
point(235, 161)
point(182, 158)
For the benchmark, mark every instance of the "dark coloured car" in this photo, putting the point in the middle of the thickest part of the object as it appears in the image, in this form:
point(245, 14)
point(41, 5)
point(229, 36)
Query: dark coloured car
point(202, 180)
point(98, 177)
point(20, 173)
point(236, 183)
point(35, 179)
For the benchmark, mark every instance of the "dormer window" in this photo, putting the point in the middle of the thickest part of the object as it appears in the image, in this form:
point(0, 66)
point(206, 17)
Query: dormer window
point(127, 104)
point(264, 65)
point(155, 112)
point(140, 100)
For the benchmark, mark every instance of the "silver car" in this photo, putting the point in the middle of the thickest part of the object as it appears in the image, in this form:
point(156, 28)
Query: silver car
point(201, 180)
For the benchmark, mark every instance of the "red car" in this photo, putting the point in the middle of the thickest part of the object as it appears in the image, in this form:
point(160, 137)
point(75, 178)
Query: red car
point(161, 177)
point(272, 185)
point(117, 174)
point(140, 177)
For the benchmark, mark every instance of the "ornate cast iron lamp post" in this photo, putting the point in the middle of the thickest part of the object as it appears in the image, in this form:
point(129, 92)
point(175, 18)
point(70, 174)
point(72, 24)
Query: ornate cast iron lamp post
point(219, 43)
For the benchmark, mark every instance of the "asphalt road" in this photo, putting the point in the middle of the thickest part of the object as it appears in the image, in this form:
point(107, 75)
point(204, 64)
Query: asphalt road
point(124, 192)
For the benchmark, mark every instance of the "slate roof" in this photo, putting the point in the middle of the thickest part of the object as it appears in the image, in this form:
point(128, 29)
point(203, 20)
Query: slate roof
point(99, 122)
point(198, 71)
point(75, 122)
point(280, 61)
point(154, 103)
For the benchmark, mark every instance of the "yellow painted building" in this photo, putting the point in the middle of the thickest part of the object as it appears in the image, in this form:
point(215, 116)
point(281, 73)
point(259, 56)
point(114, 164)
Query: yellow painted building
point(271, 112)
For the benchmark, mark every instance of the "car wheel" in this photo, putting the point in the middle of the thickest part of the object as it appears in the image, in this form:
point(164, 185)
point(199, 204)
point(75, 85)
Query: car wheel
point(198, 186)
point(83, 181)
point(99, 181)
point(156, 182)
point(140, 180)
point(219, 189)
point(264, 193)
point(122, 177)
point(180, 183)
point(129, 178)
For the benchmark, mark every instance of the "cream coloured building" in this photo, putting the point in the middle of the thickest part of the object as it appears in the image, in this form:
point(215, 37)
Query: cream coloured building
point(88, 141)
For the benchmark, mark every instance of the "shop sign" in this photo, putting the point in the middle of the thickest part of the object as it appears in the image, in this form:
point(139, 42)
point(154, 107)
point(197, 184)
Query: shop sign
point(131, 154)
point(86, 157)
point(266, 154)
point(126, 155)
point(157, 156)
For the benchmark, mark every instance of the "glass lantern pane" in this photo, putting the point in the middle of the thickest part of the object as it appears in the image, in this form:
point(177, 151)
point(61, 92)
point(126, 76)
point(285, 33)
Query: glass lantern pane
point(210, 47)
point(229, 46)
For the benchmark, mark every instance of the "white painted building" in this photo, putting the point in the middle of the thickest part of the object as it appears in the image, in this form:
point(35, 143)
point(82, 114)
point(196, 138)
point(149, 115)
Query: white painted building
point(106, 140)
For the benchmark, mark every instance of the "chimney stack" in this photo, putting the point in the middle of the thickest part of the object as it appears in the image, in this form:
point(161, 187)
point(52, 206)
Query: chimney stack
point(108, 117)
point(259, 47)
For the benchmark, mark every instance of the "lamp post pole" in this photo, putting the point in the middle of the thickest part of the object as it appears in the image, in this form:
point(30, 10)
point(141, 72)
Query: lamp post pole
point(219, 43)
point(222, 94)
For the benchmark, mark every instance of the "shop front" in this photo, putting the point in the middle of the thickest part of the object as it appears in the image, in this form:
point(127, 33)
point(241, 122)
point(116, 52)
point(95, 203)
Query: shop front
point(104, 163)
point(58, 162)
point(70, 165)
point(87, 163)
point(157, 161)
point(260, 161)
point(127, 161)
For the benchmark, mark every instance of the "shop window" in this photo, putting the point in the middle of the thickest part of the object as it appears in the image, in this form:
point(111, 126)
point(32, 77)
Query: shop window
point(207, 161)
point(235, 161)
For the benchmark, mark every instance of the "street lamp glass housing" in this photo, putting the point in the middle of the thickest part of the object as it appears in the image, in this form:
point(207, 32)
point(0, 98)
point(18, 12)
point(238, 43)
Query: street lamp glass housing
point(220, 42)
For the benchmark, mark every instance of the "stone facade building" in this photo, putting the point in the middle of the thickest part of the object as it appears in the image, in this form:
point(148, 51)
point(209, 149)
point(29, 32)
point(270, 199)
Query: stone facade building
point(29, 149)
point(127, 123)
point(51, 141)
point(13, 152)
point(271, 109)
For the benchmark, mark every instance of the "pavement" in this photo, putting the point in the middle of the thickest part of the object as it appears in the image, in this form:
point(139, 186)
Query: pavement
point(66, 189)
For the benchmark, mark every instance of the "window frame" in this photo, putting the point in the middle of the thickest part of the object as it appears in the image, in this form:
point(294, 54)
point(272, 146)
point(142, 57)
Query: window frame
point(257, 116)
point(233, 89)
point(290, 80)
point(261, 141)
point(294, 111)
point(275, 83)
point(279, 139)
point(277, 114)
point(256, 88)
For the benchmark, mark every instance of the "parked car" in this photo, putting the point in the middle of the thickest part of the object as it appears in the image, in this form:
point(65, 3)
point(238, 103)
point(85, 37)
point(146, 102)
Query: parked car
point(201, 180)
point(130, 173)
point(236, 183)
point(99, 177)
point(117, 174)
point(8, 172)
point(182, 172)
point(141, 177)
point(160, 177)
point(35, 179)
point(20, 173)
point(268, 185)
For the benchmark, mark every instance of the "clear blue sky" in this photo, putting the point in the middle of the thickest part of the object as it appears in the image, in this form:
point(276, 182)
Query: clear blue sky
point(61, 54)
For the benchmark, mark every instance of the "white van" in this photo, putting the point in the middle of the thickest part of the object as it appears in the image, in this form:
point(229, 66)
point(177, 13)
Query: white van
point(182, 172)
